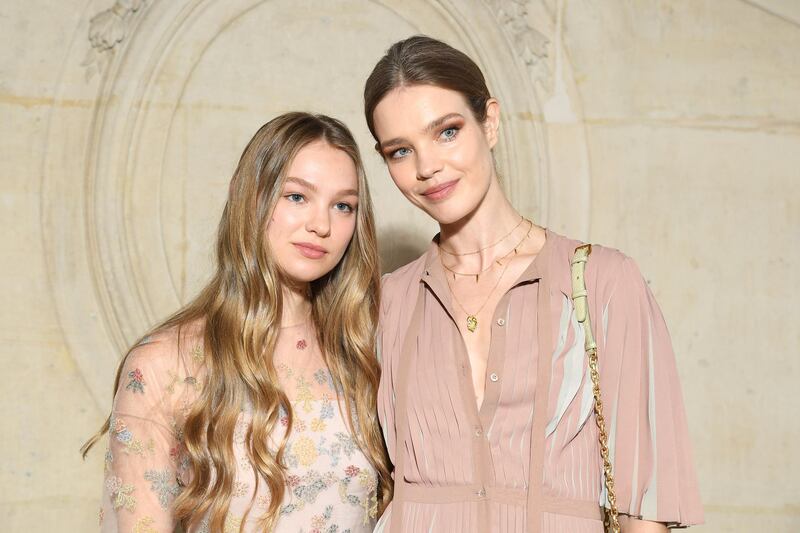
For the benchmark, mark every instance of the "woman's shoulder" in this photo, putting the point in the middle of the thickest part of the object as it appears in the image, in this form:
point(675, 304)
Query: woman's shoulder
point(606, 267)
point(401, 280)
point(168, 349)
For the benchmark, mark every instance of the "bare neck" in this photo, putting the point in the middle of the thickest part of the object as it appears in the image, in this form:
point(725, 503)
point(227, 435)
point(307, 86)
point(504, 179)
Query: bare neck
point(296, 304)
point(494, 218)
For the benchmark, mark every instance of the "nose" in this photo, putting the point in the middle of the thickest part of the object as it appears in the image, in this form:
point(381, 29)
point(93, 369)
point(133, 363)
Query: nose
point(428, 163)
point(319, 221)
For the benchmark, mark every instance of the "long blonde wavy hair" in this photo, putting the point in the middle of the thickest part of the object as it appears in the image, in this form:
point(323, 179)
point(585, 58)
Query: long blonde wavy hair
point(241, 310)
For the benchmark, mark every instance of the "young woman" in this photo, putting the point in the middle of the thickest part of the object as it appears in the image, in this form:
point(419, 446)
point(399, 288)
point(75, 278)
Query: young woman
point(486, 399)
point(252, 408)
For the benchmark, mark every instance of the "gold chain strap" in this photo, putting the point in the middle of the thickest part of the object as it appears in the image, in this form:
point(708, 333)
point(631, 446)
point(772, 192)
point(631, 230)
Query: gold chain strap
point(580, 297)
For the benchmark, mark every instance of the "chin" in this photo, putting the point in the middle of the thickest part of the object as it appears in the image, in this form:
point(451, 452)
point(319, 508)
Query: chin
point(306, 275)
point(445, 214)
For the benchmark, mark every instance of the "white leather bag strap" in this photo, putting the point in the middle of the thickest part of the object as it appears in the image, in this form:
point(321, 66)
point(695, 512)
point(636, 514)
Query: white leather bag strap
point(580, 298)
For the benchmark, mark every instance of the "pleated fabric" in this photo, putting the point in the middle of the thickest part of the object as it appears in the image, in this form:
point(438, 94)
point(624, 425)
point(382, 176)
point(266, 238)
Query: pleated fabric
point(466, 469)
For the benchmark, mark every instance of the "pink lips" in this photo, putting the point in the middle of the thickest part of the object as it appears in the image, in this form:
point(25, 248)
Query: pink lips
point(440, 192)
point(312, 251)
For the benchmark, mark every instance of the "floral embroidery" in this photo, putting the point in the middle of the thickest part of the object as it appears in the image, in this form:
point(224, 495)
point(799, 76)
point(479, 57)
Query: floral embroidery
point(318, 521)
point(121, 493)
point(318, 424)
point(240, 489)
point(245, 464)
point(204, 526)
point(188, 381)
point(323, 377)
point(306, 489)
point(304, 396)
point(369, 481)
point(108, 462)
point(232, 524)
point(136, 383)
point(263, 501)
point(144, 525)
point(197, 354)
point(301, 344)
point(163, 483)
point(343, 445)
point(177, 430)
point(240, 431)
point(102, 515)
point(305, 451)
point(326, 412)
point(132, 445)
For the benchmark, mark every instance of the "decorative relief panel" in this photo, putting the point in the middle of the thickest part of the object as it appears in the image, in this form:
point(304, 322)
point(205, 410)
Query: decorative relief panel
point(135, 182)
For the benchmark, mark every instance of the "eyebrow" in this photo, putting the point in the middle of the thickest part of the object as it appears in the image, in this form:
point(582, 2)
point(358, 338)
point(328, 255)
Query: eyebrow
point(308, 185)
point(432, 125)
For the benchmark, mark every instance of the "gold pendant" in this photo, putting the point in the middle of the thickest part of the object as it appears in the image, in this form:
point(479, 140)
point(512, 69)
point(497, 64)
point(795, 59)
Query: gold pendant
point(472, 323)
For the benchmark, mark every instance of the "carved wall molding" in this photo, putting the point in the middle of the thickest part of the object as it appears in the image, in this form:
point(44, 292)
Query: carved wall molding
point(116, 194)
point(106, 30)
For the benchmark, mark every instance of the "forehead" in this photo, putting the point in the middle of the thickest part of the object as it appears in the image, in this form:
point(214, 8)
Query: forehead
point(325, 166)
point(408, 109)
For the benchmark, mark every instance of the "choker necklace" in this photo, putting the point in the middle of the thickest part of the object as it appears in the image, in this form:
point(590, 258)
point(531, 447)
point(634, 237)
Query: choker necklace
point(504, 237)
point(498, 261)
point(472, 318)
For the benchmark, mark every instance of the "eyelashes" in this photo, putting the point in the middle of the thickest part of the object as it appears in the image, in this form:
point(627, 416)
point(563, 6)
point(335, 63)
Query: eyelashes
point(446, 135)
point(342, 207)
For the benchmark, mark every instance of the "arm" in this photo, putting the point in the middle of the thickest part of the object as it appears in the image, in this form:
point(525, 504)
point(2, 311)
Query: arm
point(141, 462)
point(633, 525)
point(648, 434)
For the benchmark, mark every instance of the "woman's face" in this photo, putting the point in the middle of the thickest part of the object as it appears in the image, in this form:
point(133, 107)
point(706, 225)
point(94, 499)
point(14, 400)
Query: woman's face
point(438, 154)
point(315, 216)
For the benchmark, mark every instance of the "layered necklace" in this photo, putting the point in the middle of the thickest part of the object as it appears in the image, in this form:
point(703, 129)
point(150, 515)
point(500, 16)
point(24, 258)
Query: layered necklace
point(472, 318)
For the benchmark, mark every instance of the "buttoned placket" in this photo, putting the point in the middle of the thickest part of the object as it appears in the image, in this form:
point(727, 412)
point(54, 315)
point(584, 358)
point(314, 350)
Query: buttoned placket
point(480, 419)
point(434, 288)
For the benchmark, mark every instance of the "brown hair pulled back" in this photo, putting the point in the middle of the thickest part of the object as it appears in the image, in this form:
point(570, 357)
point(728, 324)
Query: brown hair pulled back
point(422, 60)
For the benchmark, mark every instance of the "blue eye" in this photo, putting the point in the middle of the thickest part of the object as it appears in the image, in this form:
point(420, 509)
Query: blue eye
point(449, 134)
point(400, 152)
point(295, 198)
point(344, 207)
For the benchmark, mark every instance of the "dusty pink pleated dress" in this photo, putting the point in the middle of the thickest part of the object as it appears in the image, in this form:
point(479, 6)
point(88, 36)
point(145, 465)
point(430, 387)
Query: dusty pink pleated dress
point(528, 460)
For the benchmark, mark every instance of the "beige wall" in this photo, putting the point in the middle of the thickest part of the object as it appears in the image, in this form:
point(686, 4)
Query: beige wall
point(669, 129)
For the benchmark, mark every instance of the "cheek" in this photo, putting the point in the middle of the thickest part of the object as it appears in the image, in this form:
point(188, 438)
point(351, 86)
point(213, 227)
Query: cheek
point(281, 225)
point(404, 175)
point(345, 228)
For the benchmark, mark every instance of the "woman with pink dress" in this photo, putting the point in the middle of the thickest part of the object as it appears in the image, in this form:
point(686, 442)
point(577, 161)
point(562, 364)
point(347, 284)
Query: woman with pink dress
point(486, 398)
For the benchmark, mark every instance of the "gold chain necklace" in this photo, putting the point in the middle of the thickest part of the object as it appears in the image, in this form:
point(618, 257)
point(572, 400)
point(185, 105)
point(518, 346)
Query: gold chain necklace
point(478, 274)
point(472, 318)
point(504, 237)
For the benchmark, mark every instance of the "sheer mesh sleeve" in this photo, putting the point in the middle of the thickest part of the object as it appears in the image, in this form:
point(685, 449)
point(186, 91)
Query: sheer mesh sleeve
point(144, 460)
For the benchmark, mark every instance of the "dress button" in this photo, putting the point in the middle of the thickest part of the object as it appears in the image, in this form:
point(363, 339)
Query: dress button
point(501, 322)
point(494, 377)
point(481, 493)
point(478, 432)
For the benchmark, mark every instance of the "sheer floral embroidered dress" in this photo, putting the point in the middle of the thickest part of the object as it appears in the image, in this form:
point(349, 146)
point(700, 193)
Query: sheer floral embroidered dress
point(331, 487)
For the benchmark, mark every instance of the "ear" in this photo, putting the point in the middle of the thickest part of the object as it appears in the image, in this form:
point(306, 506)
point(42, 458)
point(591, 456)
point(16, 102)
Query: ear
point(491, 125)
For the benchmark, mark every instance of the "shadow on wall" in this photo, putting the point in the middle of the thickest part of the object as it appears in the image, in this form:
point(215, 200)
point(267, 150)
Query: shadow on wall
point(398, 247)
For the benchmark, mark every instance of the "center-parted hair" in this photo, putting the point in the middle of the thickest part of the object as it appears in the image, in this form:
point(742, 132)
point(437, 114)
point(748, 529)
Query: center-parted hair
point(422, 60)
point(240, 310)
